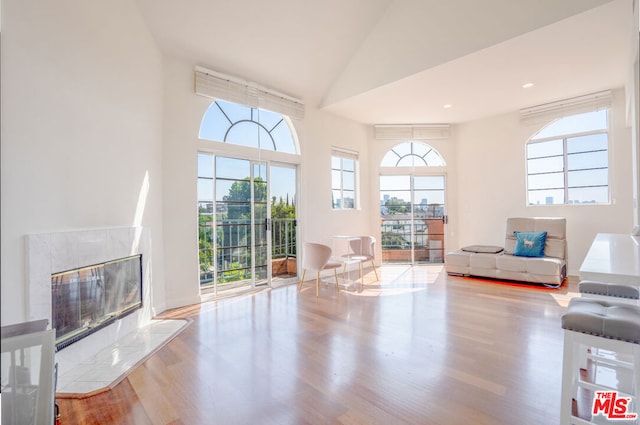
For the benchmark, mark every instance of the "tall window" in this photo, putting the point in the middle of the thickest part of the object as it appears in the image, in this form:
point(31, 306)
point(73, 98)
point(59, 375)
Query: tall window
point(568, 161)
point(412, 204)
point(235, 198)
point(344, 169)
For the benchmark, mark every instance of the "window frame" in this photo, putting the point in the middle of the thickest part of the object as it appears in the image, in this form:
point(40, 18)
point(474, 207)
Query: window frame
point(344, 155)
point(279, 132)
point(565, 156)
point(411, 154)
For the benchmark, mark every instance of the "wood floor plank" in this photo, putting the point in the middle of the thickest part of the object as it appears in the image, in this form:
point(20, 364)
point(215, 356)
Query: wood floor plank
point(417, 347)
point(156, 400)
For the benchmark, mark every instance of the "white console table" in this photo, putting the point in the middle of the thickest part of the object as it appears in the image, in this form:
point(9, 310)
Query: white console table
point(613, 258)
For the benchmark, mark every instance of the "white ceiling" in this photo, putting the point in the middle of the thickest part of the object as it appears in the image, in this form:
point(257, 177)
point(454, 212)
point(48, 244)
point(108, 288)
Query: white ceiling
point(400, 61)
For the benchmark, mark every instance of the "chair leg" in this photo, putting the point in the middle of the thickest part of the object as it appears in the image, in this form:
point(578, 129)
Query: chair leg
point(318, 284)
point(335, 272)
point(568, 379)
point(636, 374)
point(374, 270)
point(301, 280)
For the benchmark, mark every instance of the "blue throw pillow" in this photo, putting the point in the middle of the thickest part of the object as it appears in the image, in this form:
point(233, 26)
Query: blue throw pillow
point(530, 244)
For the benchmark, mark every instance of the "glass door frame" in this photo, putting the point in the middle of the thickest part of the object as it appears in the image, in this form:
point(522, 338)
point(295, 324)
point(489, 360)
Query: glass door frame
point(253, 244)
point(411, 173)
point(255, 282)
point(296, 227)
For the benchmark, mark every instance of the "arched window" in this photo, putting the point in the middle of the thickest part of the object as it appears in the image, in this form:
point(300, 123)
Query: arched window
point(412, 204)
point(568, 161)
point(242, 125)
point(412, 154)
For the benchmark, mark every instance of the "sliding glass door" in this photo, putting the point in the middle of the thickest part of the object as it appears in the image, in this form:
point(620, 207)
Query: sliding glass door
point(240, 222)
point(413, 218)
point(283, 223)
point(246, 229)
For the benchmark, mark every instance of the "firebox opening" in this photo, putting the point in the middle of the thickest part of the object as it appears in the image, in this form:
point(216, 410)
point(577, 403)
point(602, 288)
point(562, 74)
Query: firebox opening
point(89, 298)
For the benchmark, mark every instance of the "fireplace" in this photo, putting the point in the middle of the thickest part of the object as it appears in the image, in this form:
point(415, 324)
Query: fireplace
point(49, 254)
point(86, 299)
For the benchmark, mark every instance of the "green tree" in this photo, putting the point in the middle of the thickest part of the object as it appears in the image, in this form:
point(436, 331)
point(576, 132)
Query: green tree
point(397, 206)
point(282, 209)
point(239, 197)
point(392, 240)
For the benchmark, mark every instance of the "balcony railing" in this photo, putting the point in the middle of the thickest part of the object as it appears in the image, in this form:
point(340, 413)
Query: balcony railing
point(234, 247)
point(283, 238)
point(405, 240)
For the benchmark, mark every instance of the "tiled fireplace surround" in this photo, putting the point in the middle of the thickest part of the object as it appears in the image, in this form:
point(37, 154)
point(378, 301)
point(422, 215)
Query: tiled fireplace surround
point(56, 252)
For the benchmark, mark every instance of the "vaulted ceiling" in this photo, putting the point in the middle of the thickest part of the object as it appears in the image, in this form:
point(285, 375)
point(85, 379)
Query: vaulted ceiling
point(401, 61)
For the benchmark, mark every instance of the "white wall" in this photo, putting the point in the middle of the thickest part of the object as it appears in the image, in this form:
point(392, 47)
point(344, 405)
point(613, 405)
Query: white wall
point(492, 185)
point(183, 112)
point(317, 133)
point(321, 132)
point(81, 129)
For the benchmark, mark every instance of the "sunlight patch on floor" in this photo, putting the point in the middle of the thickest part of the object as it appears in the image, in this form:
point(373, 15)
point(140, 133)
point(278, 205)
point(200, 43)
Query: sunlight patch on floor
point(563, 299)
point(407, 274)
point(398, 279)
point(381, 292)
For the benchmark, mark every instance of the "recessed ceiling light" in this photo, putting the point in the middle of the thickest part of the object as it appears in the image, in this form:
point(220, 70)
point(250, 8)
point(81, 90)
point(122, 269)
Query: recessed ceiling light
point(527, 85)
point(447, 106)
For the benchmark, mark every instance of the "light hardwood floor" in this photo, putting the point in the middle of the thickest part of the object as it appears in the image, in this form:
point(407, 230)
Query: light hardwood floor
point(418, 347)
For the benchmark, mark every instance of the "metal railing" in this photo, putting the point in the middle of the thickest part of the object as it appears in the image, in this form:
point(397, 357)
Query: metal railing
point(283, 238)
point(233, 248)
point(417, 240)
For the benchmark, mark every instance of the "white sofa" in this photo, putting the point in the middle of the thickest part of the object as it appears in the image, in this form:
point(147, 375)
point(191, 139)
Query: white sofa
point(551, 269)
